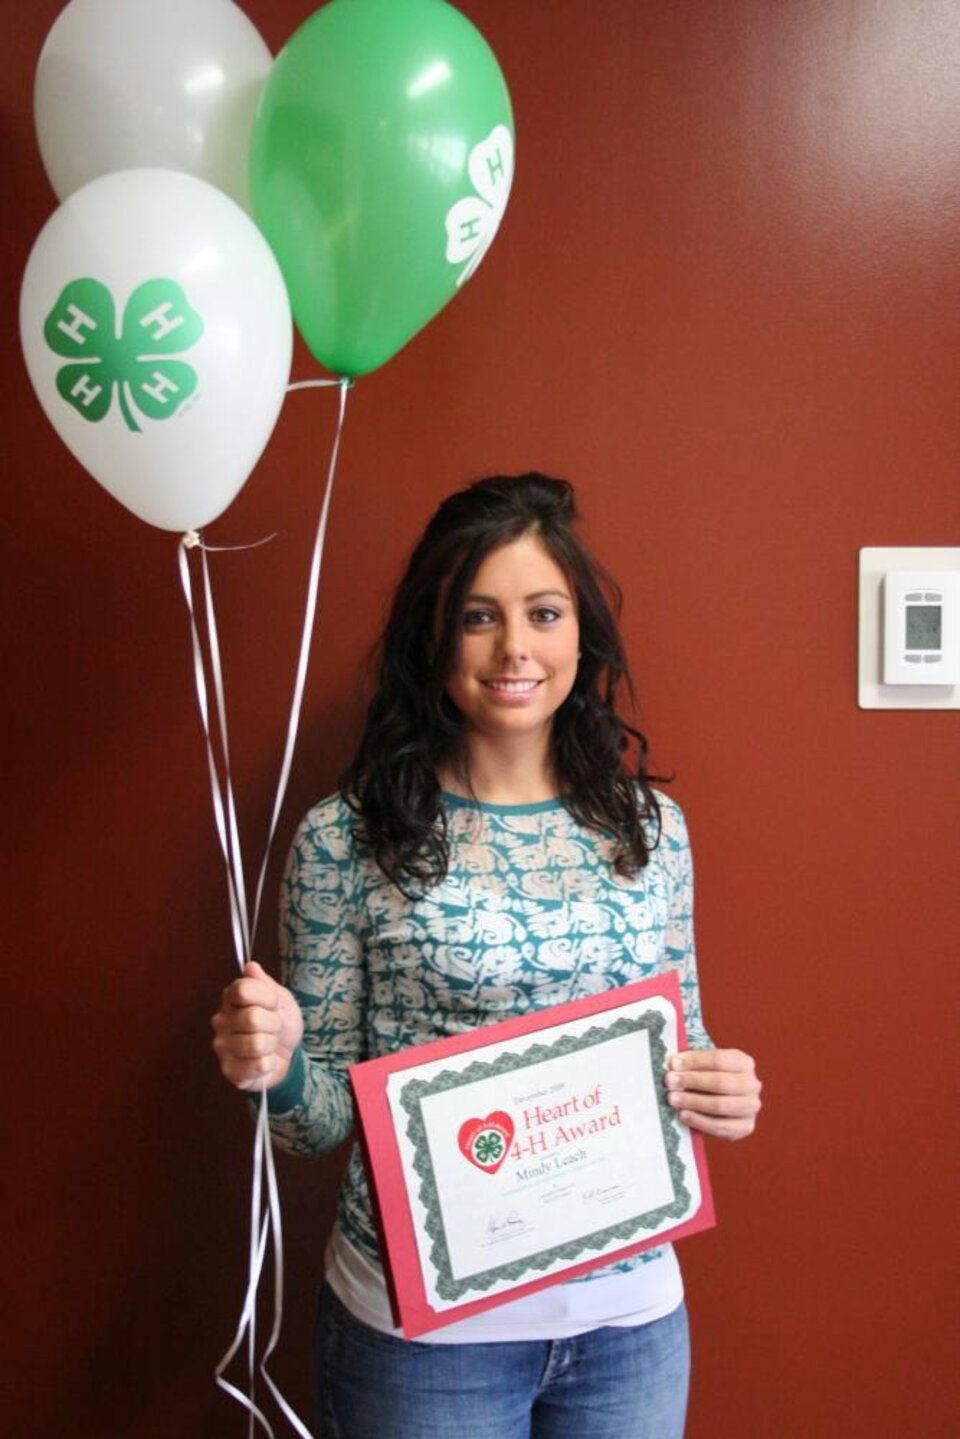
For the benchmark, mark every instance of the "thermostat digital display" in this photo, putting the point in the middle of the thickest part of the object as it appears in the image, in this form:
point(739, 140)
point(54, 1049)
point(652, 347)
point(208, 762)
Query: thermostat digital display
point(921, 638)
point(924, 627)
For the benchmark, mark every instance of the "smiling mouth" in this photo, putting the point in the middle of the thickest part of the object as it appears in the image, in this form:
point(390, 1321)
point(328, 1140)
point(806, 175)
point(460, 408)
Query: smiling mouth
point(511, 687)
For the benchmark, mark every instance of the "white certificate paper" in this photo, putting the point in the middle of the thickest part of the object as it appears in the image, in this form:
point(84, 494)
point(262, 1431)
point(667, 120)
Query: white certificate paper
point(524, 1158)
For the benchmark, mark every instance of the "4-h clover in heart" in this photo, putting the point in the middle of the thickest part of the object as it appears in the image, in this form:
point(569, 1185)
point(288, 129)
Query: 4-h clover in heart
point(485, 1142)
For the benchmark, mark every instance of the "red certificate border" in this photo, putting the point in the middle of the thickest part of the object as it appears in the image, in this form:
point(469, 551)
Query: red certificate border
point(381, 1154)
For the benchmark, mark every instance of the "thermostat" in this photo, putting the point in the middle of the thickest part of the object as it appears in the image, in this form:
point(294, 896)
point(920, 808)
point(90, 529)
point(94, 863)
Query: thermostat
point(921, 636)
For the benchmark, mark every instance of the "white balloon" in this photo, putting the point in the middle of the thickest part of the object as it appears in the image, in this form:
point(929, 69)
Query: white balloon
point(157, 334)
point(171, 84)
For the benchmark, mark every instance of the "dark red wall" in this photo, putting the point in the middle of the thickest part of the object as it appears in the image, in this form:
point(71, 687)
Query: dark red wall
point(726, 302)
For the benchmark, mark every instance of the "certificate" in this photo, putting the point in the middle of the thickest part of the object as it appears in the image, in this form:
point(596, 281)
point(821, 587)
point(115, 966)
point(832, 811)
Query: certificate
point(528, 1152)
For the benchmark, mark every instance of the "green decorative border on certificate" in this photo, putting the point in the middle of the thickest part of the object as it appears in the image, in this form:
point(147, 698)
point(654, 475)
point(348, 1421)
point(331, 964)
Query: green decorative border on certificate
point(416, 1090)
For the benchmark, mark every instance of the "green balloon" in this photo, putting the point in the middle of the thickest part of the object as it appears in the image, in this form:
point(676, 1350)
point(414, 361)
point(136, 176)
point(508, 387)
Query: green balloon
point(380, 166)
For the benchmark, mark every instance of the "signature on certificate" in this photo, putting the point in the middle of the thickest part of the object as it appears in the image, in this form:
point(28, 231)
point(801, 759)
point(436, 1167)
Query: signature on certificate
point(605, 1194)
point(505, 1223)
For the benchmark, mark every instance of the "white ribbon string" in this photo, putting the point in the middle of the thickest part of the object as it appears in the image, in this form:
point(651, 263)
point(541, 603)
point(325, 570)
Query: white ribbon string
point(230, 849)
point(218, 690)
point(259, 1233)
point(237, 927)
point(234, 549)
point(273, 1195)
point(310, 610)
point(319, 385)
point(265, 1218)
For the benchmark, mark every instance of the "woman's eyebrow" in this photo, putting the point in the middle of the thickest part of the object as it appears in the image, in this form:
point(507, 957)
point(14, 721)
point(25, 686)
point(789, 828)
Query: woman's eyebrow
point(537, 595)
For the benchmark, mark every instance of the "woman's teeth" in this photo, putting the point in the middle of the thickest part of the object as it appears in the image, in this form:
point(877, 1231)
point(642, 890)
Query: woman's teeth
point(512, 687)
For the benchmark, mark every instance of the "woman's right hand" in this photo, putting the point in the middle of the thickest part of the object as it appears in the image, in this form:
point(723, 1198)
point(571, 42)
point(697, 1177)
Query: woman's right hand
point(256, 1030)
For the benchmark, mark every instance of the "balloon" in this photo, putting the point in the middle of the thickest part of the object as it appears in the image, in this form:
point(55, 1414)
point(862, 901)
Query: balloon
point(125, 84)
point(380, 166)
point(157, 334)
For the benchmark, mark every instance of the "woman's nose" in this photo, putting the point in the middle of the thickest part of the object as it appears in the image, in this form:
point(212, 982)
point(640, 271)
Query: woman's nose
point(514, 641)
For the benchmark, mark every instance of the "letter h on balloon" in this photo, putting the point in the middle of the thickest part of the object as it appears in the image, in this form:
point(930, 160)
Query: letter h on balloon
point(162, 388)
point(79, 320)
point(85, 390)
point(496, 168)
point(160, 317)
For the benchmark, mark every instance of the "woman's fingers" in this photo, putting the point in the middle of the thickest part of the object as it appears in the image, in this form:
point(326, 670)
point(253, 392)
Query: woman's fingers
point(256, 1030)
point(727, 1106)
point(715, 1091)
point(732, 1061)
point(246, 1046)
point(246, 1059)
point(718, 1128)
point(712, 1081)
point(250, 1074)
point(247, 1028)
point(251, 992)
point(250, 1020)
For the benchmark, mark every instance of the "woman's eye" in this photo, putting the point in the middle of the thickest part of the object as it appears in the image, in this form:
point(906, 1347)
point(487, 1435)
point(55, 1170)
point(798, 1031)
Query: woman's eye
point(545, 615)
point(476, 619)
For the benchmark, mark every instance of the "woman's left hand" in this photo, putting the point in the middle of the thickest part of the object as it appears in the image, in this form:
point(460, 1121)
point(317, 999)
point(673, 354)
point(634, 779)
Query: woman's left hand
point(714, 1090)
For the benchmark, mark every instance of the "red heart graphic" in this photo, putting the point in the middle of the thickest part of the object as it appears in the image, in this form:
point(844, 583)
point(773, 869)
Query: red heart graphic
point(485, 1142)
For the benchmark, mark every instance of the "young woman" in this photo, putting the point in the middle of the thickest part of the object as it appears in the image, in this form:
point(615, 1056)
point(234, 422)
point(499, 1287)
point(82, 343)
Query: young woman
point(489, 853)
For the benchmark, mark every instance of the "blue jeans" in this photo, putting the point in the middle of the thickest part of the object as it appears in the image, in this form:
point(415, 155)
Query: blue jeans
point(611, 1383)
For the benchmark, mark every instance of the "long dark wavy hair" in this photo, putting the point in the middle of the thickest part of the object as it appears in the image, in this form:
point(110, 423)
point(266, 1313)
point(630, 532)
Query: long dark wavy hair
point(413, 728)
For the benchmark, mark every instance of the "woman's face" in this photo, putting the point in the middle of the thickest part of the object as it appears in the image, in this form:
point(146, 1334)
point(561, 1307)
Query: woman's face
point(516, 660)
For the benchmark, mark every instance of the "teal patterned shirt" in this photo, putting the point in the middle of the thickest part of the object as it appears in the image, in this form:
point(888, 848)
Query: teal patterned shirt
point(530, 914)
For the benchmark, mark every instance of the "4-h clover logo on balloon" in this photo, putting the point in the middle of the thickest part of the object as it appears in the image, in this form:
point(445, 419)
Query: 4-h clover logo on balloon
point(472, 223)
point(157, 322)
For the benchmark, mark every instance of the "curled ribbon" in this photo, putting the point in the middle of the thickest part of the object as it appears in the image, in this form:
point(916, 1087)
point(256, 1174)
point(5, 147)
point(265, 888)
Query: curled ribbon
point(265, 1220)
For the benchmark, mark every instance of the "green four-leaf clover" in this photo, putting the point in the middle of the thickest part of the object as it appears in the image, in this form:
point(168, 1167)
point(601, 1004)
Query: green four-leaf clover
point(489, 1147)
point(158, 322)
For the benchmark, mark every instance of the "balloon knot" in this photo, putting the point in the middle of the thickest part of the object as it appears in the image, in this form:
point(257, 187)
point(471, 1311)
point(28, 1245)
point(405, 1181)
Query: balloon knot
point(191, 539)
